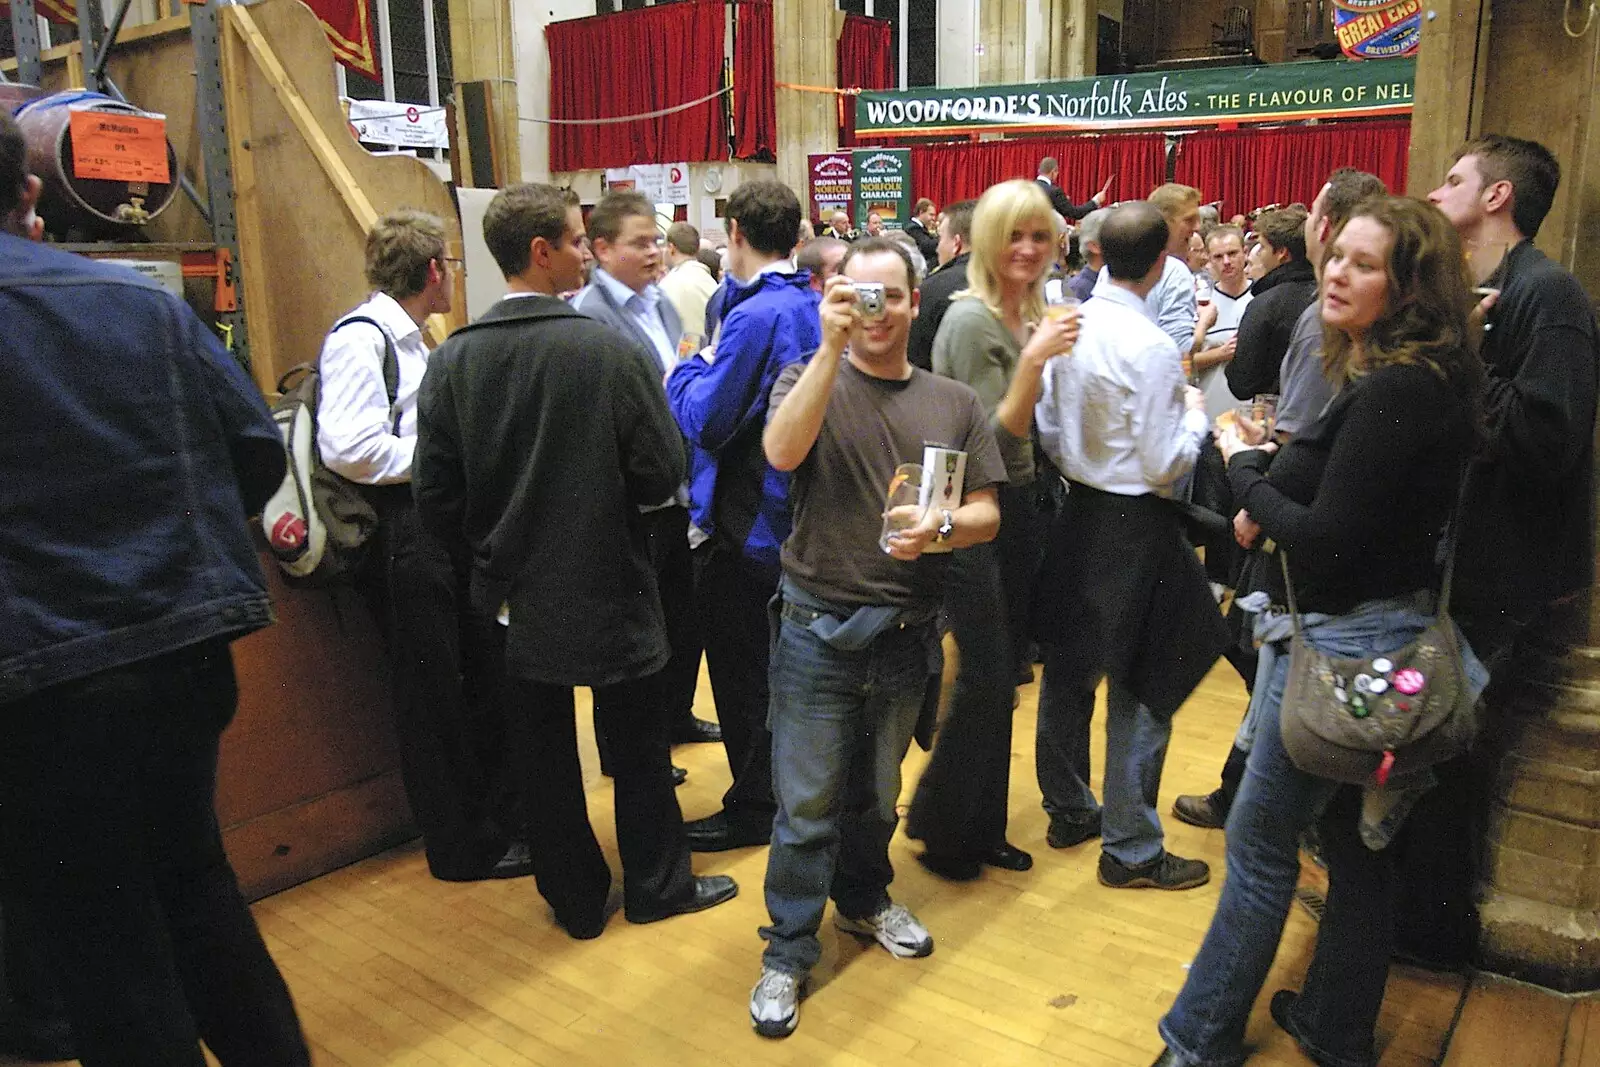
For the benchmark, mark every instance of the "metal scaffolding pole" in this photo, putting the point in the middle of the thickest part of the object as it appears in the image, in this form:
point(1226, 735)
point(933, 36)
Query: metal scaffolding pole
point(205, 24)
point(25, 34)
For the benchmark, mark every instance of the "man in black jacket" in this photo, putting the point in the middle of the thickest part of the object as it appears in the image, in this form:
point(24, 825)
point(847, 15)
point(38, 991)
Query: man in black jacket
point(922, 229)
point(1049, 177)
point(1526, 552)
point(955, 237)
point(1288, 289)
point(540, 432)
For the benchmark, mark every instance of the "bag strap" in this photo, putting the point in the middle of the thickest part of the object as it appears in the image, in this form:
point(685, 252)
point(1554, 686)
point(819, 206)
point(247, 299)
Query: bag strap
point(391, 364)
point(1447, 578)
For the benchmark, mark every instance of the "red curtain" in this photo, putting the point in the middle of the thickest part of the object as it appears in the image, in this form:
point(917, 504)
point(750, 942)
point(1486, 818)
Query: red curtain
point(755, 123)
point(633, 62)
point(945, 173)
point(865, 62)
point(1250, 168)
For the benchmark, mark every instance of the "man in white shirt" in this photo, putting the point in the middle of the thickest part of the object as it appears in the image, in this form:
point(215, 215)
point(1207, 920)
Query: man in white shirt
point(408, 577)
point(621, 293)
point(688, 283)
point(1126, 598)
point(1230, 295)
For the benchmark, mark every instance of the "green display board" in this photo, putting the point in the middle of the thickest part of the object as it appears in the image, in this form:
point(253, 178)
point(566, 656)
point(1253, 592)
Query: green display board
point(882, 184)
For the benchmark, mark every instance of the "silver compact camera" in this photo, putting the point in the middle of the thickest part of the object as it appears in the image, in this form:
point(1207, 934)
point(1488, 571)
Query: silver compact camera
point(869, 298)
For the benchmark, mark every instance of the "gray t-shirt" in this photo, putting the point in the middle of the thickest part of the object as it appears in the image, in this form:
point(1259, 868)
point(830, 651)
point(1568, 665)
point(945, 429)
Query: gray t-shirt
point(873, 425)
point(1305, 389)
point(975, 348)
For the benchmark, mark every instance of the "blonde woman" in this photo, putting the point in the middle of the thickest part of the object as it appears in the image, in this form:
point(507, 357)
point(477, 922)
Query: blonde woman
point(997, 339)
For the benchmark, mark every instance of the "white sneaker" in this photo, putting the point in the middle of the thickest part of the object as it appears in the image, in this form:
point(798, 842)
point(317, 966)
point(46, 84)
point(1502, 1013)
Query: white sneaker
point(775, 1003)
point(894, 927)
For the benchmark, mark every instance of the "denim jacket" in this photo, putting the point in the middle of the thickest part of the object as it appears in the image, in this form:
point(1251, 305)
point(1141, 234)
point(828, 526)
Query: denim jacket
point(132, 449)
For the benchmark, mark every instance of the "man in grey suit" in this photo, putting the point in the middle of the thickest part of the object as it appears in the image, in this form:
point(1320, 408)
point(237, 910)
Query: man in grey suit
point(622, 293)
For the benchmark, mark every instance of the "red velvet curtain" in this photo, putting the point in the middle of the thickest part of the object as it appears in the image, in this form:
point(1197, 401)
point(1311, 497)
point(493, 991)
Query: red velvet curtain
point(755, 122)
point(1250, 168)
point(630, 63)
point(945, 173)
point(865, 62)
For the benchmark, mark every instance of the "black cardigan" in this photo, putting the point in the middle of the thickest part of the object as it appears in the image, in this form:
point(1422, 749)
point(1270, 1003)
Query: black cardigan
point(1360, 498)
point(1528, 537)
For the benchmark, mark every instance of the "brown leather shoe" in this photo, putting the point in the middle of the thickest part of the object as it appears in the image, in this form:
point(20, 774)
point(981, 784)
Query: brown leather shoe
point(1206, 812)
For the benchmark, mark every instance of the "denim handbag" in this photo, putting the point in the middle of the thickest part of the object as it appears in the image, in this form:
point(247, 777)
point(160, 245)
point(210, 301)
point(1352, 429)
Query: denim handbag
point(1371, 719)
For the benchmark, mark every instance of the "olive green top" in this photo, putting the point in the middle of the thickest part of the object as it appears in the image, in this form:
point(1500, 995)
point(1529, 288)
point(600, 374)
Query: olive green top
point(973, 346)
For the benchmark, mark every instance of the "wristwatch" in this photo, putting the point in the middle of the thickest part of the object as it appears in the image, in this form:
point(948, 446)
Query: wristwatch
point(946, 527)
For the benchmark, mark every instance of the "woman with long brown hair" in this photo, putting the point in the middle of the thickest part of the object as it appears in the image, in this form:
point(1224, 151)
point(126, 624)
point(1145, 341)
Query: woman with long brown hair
point(1359, 501)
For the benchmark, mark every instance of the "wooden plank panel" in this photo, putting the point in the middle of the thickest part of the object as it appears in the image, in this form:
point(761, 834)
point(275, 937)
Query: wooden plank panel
point(1508, 1022)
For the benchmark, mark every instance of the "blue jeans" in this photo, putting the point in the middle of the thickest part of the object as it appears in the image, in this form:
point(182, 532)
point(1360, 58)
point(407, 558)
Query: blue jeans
point(1136, 750)
point(1338, 1005)
point(841, 723)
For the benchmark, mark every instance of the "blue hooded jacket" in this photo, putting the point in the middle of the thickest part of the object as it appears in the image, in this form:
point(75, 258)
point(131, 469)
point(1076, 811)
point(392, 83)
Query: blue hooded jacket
point(721, 406)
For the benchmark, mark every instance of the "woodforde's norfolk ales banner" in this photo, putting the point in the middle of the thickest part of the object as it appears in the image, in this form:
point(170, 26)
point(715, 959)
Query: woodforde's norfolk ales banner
point(1282, 92)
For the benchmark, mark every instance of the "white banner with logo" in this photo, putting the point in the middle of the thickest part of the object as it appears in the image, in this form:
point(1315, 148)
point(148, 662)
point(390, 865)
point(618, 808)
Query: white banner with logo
point(408, 125)
point(663, 183)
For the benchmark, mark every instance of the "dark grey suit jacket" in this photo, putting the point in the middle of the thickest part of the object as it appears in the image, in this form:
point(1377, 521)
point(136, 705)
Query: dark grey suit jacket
point(596, 302)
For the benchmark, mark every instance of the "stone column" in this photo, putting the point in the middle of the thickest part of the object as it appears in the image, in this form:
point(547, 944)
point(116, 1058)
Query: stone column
point(805, 52)
point(1071, 39)
point(1506, 66)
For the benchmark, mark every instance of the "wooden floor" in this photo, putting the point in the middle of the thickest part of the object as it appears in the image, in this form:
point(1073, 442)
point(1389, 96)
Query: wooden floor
point(390, 967)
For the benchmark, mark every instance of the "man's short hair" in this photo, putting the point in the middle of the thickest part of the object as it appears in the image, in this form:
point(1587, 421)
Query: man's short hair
point(814, 251)
point(872, 245)
point(13, 163)
point(683, 237)
point(712, 261)
point(959, 216)
point(1048, 165)
point(1173, 199)
point(400, 246)
point(1529, 166)
point(1089, 226)
point(1348, 187)
point(518, 214)
point(1285, 230)
point(1224, 231)
point(1133, 239)
point(1210, 219)
point(919, 263)
point(768, 214)
point(605, 221)
point(922, 205)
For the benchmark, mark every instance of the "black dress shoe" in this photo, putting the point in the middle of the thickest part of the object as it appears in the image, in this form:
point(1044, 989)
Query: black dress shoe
point(950, 868)
point(1282, 1009)
point(695, 731)
point(1168, 1058)
point(679, 775)
point(1065, 833)
point(715, 833)
point(1208, 811)
point(516, 863)
point(709, 891)
point(583, 929)
point(1009, 857)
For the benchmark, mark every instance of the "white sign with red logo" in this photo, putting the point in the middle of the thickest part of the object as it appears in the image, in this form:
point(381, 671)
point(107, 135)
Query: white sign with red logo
point(406, 125)
point(663, 183)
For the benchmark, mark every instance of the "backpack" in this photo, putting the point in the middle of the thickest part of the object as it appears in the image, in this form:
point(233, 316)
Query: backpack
point(318, 523)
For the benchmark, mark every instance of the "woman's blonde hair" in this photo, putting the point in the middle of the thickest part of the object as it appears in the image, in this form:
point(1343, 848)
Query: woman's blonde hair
point(1425, 316)
point(1001, 211)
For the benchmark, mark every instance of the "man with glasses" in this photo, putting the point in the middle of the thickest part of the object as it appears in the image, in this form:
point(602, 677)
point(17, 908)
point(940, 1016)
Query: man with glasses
point(409, 580)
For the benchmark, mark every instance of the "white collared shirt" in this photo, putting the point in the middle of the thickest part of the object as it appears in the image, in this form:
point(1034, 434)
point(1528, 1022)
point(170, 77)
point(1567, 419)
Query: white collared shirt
point(1172, 303)
point(1111, 414)
point(355, 427)
point(646, 311)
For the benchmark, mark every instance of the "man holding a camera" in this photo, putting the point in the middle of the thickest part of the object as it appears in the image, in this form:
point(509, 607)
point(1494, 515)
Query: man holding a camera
point(857, 644)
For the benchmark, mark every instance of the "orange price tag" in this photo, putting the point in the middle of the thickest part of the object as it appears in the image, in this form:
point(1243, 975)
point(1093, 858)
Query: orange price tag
point(118, 147)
